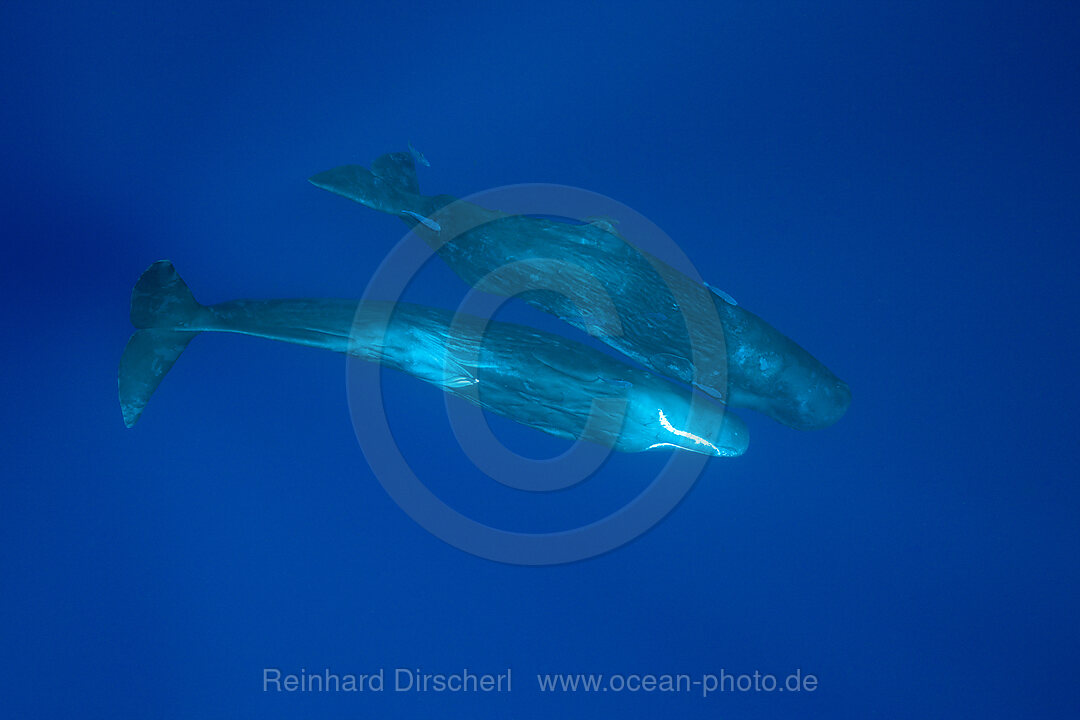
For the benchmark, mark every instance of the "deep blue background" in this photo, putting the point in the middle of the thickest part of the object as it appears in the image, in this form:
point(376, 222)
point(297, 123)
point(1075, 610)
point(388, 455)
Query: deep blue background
point(894, 187)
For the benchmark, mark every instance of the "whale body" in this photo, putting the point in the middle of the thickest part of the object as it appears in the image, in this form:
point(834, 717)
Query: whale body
point(542, 380)
point(592, 278)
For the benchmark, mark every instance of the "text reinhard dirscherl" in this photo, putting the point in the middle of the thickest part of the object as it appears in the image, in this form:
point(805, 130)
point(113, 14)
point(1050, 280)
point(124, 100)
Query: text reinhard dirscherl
point(397, 680)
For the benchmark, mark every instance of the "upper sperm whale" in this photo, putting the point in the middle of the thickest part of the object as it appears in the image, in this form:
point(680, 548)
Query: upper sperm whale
point(594, 279)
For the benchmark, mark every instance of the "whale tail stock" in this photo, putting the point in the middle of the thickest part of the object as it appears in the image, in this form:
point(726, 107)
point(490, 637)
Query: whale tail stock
point(161, 307)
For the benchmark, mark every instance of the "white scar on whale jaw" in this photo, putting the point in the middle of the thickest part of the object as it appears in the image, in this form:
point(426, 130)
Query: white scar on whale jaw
point(698, 440)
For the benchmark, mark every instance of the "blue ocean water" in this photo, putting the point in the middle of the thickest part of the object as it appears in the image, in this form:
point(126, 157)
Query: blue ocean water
point(892, 185)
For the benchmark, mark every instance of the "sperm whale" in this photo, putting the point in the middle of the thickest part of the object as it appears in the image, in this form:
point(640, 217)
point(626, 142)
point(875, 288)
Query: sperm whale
point(662, 318)
point(542, 380)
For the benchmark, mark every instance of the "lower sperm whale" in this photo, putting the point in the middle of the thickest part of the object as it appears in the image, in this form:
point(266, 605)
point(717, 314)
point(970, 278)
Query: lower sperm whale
point(660, 317)
point(542, 380)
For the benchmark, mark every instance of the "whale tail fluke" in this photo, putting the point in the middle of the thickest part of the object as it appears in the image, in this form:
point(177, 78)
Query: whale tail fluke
point(398, 169)
point(390, 186)
point(162, 307)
